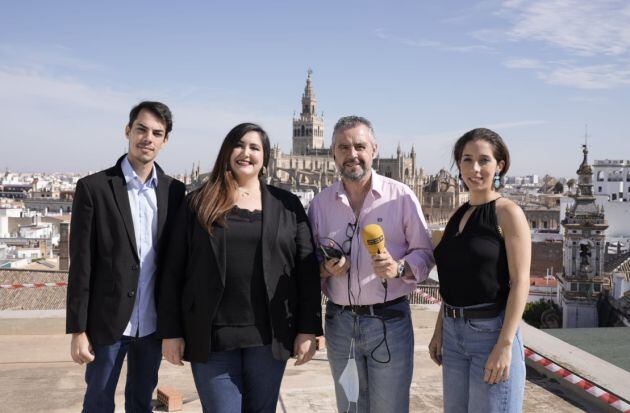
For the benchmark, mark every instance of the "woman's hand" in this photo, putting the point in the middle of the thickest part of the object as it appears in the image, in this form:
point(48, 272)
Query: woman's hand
point(304, 348)
point(173, 350)
point(435, 347)
point(498, 364)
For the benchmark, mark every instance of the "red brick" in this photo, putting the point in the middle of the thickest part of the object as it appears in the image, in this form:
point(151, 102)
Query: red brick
point(171, 398)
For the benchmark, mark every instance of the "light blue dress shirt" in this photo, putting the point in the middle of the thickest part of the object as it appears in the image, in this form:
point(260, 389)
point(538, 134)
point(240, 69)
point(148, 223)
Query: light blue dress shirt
point(143, 203)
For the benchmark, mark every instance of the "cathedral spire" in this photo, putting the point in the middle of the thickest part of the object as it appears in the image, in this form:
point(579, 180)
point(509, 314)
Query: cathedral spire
point(309, 101)
point(308, 89)
point(585, 176)
point(584, 165)
point(308, 128)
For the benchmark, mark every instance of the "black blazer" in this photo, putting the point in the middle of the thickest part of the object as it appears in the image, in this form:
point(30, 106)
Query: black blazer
point(193, 279)
point(104, 262)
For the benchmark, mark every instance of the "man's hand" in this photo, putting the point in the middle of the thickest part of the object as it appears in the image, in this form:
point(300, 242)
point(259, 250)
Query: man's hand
point(173, 350)
point(81, 349)
point(304, 348)
point(384, 265)
point(334, 267)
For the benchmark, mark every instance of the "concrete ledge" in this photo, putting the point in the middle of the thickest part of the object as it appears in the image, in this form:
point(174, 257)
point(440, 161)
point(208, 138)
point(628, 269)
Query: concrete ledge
point(583, 373)
point(32, 322)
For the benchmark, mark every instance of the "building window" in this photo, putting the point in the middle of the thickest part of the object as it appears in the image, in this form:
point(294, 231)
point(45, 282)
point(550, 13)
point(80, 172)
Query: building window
point(534, 224)
point(545, 225)
point(599, 189)
point(600, 176)
point(614, 197)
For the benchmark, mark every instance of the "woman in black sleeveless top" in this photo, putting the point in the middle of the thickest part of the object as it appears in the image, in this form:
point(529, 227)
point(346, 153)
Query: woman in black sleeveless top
point(483, 263)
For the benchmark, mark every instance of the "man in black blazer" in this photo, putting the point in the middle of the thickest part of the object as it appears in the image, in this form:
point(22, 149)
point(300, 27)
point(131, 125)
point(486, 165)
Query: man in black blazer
point(120, 217)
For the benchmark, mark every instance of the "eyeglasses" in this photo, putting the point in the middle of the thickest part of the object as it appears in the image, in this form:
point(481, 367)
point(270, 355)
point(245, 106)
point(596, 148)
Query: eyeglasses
point(332, 249)
point(346, 246)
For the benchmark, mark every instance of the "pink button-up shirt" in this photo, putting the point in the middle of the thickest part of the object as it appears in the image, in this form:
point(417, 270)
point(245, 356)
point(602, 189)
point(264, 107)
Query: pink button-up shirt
point(394, 207)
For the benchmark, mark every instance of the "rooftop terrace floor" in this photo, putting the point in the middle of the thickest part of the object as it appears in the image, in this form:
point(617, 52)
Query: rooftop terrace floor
point(37, 375)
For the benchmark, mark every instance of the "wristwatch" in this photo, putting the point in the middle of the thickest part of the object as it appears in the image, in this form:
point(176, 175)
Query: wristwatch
point(401, 269)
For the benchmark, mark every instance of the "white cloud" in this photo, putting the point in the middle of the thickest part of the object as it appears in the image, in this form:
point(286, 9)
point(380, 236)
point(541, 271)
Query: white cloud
point(431, 44)
point(589, 77)
point(69, 123)
point(39, 58)
point(588, 28)
point(590, 40)
point(523, 63)
point(38, 88)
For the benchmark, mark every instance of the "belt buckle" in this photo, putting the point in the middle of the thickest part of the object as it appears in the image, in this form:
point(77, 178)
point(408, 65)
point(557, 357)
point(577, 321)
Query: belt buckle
point(452, 312)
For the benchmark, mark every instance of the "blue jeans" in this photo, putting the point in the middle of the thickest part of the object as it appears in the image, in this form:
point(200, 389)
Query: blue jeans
point(383, 386)
point(144, 355)
point(466, 346)
point(235, 381)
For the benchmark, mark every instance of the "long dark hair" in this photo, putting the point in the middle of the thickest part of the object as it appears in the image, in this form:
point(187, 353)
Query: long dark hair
point(216, 196)
point(499, 148)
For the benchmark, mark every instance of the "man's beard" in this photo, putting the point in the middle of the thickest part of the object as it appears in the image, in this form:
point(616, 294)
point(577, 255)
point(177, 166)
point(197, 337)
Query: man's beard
point(355, 175)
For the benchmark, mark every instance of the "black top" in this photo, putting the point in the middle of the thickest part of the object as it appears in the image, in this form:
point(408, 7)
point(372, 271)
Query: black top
point(472, 265)
point(242, 318)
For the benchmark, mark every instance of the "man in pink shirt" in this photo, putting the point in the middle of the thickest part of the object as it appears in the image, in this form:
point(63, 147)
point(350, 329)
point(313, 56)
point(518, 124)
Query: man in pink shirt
point(368, 321)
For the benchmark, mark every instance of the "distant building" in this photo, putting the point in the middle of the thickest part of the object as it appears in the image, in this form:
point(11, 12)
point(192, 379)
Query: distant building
point(584, 253)
point(309, 166)
point(5, 214)
point(542, 218)
point(49, 206)
point(612, 178)
point(527, 180)
point(442, 195)
point(15, 191)
point(543, 288)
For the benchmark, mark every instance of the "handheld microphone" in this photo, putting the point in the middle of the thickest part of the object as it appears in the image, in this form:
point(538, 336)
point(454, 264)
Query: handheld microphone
point(374, 240)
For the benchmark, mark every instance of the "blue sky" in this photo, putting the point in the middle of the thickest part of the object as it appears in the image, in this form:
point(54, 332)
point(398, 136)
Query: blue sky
point(536, 71)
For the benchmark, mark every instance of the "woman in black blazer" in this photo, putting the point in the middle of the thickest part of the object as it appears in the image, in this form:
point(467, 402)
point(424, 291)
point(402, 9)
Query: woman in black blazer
point(240, 290)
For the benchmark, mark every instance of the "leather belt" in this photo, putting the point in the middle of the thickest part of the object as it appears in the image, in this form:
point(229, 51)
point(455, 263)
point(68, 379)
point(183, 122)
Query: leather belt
point(471, 313)
point(379, 309)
